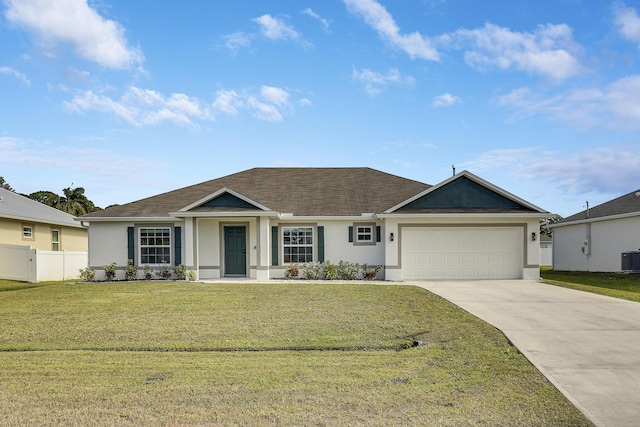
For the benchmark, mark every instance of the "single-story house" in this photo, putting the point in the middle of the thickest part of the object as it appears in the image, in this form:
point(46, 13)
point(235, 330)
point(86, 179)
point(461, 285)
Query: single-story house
point(255, 223)
point(38, 242)
point(596, 238)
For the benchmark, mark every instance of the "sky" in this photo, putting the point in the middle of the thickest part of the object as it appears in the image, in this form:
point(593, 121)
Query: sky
point(129, 99)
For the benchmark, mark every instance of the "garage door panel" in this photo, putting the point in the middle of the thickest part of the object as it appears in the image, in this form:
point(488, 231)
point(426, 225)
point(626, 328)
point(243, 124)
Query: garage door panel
point(462, 252)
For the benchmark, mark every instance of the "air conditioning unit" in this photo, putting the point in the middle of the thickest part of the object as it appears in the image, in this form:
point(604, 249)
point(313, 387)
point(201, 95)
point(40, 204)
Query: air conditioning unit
point(631, 261)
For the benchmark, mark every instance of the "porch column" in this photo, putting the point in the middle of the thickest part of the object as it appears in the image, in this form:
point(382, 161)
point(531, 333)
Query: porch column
point(264, 245)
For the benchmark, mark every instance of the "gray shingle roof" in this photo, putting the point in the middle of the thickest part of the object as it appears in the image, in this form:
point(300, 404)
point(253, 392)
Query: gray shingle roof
point(627, 204)
point(300, 191)
point(16, 206)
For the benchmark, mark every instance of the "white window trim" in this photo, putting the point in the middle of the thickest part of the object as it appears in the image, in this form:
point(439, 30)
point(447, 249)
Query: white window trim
point(357, 241)
point(313, 246)
point(31, 235)
point(54, 242)
point(139, 246)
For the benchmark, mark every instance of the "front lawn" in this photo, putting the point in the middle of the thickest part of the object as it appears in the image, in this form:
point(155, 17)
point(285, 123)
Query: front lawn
point(617, 285)
point(168, 353)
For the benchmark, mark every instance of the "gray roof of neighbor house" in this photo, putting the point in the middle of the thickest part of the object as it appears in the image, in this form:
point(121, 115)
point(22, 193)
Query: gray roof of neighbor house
point(627, 204)
point(16, 206)
point(300, 191)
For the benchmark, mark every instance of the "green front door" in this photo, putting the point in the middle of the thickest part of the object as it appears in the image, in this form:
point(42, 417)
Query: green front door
point(235, 251)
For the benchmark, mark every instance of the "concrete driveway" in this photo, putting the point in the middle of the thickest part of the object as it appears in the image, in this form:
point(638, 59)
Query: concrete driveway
point(587, 345)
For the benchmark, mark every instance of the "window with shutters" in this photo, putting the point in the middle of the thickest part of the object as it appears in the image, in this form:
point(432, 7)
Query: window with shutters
point(297, 244)
point(363, 234)
point(155, 245)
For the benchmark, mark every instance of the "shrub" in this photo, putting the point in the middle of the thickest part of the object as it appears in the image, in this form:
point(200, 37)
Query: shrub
point(147, 272)
point(330, 271)
point(370, 273)
point(163, 271)
point(348, 270)
point(292, 271)
point(313, 271)
point(110, 272)
point(191, 275)
point(130, 271)
point(180, 271)
point(87, 274)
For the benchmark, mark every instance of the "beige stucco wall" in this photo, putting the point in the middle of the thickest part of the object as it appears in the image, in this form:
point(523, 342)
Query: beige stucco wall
point(71, 238)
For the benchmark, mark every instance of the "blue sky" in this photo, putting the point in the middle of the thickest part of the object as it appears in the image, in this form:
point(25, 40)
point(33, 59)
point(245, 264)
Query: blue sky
point(129, 99)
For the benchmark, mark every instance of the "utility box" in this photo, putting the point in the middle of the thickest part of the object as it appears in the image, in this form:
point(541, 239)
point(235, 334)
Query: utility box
point(631, 261)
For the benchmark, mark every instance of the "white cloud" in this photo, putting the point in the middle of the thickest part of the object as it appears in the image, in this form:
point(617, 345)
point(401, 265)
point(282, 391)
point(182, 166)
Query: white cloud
point(14, 73)
point(269, 103)
point(628, 22)
point(73, 21)
point(276, 29)
point(142, 107)
point(324, 22)
point(375, 82)
point(236, 41)
point(602, 170)
point(548, 51)
point(614, 106)
point(375, 15)
point(446, 100)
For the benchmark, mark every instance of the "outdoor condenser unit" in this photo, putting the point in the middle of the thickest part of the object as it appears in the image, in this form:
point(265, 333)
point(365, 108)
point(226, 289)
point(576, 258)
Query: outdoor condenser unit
point(631, 261)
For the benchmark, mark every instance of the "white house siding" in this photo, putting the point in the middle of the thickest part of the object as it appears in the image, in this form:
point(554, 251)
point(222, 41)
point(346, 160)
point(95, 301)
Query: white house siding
point(609, 238)
point(108, 243)
point(526, 265)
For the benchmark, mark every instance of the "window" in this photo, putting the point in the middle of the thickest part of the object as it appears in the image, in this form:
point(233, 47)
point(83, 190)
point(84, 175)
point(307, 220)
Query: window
point(155, 245)
point(55, 240)
point(364, 234)
point(27, 232)
point(297, 244)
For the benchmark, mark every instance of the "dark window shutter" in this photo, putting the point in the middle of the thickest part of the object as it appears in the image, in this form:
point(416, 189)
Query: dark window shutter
point(131, 244)
point(351, 234)
point(378, 235)
point(274, 245)
point(177, 244)
point(320, 243)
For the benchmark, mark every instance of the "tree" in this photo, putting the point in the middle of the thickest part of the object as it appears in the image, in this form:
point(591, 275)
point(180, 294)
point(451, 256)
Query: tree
point(74, 202)
point(545, 223)
point(4, 184)
point(46, 197)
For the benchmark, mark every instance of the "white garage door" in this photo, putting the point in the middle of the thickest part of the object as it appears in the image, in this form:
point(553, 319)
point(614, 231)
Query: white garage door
point(462, 253)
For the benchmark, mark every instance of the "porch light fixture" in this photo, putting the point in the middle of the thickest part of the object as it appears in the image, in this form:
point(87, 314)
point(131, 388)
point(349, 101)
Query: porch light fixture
point(533, 236)
point(391, 237)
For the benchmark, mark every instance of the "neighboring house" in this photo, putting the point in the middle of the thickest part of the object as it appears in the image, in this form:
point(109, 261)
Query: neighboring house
point(546, 250)
point(255, 223)
point(26, 222)
point(36, 240)
point(595, 239)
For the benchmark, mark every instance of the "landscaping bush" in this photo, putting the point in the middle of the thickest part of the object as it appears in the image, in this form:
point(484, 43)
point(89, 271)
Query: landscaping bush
point(87, 274)
point(110, 272)
point(130, 271)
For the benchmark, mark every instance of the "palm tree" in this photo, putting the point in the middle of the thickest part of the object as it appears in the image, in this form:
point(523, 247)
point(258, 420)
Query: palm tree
point(74, 202)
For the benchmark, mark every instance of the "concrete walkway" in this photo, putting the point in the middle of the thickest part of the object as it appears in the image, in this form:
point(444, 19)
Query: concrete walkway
point(587, 345)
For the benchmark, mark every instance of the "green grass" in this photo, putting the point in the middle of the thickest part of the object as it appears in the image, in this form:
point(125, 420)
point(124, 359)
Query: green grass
point(261, 354)
point(617, 285)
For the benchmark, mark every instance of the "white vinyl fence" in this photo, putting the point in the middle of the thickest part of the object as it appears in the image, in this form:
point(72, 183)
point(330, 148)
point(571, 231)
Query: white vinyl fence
point(26, 264)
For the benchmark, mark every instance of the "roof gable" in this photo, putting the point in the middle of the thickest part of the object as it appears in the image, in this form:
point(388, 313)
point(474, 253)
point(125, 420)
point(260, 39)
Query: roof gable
point(223, 200)
point(465, 192)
